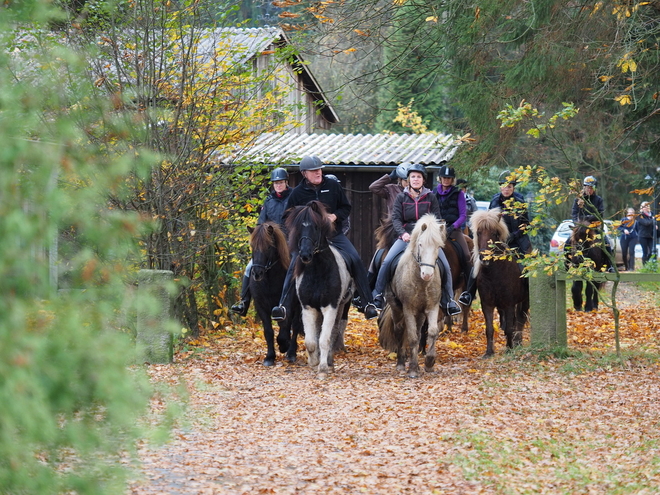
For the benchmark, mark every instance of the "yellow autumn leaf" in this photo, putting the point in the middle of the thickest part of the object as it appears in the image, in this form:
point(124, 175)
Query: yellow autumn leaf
point(623, 99)
point(432, 18)
point(605, 78)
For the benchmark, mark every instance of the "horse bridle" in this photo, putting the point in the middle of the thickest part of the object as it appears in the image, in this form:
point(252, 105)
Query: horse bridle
point(316, 244)
point(418, 259)
point(267, 267)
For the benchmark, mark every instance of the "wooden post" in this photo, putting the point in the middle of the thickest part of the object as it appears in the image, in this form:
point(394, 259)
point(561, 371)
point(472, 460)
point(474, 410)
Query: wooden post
point(154, 310)
point(547, 296)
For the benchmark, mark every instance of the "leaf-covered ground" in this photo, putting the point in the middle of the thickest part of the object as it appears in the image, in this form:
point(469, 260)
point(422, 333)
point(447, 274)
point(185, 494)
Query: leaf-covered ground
point(519, 423)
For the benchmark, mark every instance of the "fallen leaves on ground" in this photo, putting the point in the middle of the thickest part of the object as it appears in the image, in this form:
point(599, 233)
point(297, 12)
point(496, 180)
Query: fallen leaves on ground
point(512, 424)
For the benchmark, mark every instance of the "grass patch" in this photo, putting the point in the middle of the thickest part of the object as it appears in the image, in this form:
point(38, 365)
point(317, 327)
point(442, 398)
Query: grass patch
point(554, 464)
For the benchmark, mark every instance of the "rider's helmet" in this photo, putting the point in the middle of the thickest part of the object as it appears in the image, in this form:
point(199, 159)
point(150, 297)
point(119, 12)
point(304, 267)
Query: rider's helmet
point(332, 177)
point(279, 174)
point(417, 167)
point(506, 178)
point(589, 180)
point(310, 163)
point(447, 171)
point(402, 171)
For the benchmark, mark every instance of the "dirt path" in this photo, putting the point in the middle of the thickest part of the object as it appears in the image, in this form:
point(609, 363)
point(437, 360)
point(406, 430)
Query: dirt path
point(508, 425)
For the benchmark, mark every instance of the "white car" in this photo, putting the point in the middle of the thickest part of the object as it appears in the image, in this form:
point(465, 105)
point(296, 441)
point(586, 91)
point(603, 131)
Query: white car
point(563, 232)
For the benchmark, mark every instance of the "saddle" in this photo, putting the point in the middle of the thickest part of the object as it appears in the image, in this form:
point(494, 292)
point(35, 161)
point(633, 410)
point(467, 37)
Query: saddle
point(461, 256)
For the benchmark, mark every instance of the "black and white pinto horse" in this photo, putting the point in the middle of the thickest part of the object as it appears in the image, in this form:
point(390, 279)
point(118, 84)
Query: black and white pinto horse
point(323, 284)
point(270, 261)
point(413, 298)
point(499, 279)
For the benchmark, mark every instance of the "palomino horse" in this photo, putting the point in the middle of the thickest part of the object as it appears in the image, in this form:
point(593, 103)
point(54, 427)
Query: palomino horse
point(385, 237)
point(270, 261)
point(584, 247)
point(499, 279)
point(412, 297)
point(323, 283)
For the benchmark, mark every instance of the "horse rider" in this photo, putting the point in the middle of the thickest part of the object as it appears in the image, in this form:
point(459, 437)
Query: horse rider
point(453, 209)
point(315, 186)
point(390, 185)
point(273, 211)
point(516, 217)
point(589, 208)
point(409, 206)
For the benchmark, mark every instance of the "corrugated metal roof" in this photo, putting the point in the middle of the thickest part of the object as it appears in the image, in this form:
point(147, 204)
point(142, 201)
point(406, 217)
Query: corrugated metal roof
point(340, 150)
point(243, 43)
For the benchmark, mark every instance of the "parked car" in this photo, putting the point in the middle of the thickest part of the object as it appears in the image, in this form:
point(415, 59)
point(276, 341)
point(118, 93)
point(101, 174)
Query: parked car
point(483, 205)
point(563, 232)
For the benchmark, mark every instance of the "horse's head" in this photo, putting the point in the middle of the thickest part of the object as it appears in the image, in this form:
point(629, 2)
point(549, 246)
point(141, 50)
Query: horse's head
point(427, 237)
point(583, 245)
point(309, 228)
point(490, 235)
point(269, 247)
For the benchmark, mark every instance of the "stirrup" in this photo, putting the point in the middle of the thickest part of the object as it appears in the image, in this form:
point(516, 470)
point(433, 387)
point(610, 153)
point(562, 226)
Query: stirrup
point(465, 298)
point(278, 313)
point(370, 311)
point(453, 309)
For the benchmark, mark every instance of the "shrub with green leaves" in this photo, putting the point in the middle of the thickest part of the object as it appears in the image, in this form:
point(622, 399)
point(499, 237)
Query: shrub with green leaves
point(70, 404)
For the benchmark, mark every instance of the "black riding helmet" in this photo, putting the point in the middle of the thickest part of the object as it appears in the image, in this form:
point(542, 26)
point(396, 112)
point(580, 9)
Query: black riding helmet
point(310, 163)
point(279, 174)
point(447, 171)
point(417, 167)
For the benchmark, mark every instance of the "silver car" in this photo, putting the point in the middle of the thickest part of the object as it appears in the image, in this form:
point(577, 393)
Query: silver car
point(564, 230)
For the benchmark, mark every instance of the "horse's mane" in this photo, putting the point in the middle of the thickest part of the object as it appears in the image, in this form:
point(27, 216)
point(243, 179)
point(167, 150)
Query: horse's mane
point(486, 221)
point(313, 212)
point(385, 233)
point(268, 234)
point(428, 225)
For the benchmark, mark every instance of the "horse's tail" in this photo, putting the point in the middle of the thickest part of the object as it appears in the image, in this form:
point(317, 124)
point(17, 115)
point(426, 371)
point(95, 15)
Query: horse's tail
point(387, 337)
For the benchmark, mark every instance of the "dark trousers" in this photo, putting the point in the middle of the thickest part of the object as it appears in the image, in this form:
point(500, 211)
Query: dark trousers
point(628, 252)
point(647, 247)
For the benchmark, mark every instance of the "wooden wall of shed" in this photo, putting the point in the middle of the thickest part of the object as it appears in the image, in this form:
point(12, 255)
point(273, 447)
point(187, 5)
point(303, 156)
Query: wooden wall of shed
point(367, 207)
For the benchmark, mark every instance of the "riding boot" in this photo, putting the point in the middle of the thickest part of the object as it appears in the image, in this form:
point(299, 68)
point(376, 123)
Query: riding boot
point(242, 306)
point(470, 292)
point(447, 303)
point(278, 313)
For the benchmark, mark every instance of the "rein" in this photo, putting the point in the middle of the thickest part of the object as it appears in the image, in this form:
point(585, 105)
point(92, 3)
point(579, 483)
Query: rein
point(418, 259)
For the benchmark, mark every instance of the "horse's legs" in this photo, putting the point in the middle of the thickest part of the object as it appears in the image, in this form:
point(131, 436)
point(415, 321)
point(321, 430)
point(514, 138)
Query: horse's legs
point(325, 341)
point(509, 319)
point(412, 336)
point(284, 335)
point(488, 316)
point(311, 324)
point(434, 330)
point(296, 330)
point(591, 296)
point(520, 319)
point(269, 335)
point(576, 293)
point(338, 339)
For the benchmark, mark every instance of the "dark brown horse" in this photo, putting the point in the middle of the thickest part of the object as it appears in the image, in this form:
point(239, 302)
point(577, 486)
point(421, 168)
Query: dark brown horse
point(385, 237)
point(499, 279)
point(585, 248)
point(270, 261)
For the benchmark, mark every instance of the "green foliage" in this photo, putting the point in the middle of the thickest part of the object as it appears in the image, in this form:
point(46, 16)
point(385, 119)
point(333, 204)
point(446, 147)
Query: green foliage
point(69, 404)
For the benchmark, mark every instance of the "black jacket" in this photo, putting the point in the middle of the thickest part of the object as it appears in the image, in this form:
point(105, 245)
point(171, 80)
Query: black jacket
point(274, 206)
point(515, 219)
point(330, 193)
point(592, 210)
point(645, 224)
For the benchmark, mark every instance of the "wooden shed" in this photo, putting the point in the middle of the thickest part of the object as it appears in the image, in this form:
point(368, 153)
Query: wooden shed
point(357, 160)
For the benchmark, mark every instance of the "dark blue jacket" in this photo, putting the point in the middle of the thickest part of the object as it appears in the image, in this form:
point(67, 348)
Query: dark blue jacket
point(273, 208)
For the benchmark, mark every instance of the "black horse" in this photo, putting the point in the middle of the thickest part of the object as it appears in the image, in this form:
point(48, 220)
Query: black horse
point(323, 283)
point(585, 248)
point(270, 261)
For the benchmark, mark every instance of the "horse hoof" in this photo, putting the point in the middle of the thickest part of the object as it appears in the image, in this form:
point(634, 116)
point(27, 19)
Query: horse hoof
point(269, 362)
point(401, 367)
point(488, 355)
point(429, 362)
point(291, 359)
point(322, 375)
point(413, 374)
